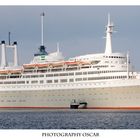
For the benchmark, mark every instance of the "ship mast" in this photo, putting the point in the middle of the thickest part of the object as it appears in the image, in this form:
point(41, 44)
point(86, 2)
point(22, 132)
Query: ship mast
point(109, 31)
point(42, 29)
point(57, 47)
point(127, 65)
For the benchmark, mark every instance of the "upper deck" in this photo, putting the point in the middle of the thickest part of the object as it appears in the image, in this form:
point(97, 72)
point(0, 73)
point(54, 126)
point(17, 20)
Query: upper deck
point(43, 62)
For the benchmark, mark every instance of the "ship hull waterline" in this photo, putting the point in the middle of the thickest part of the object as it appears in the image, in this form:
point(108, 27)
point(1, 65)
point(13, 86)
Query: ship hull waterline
point(106, 98)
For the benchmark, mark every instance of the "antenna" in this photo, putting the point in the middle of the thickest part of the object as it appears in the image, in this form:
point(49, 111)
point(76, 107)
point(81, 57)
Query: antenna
point(42, 47)
point(109, 21)
point(42, 28)
point(127, 57)
point(57, 46)
point(9, 38)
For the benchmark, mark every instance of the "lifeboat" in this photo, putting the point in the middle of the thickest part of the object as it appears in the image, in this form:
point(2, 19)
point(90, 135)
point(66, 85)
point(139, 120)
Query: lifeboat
point(4, 71)
point(42, 65)
point(50, 65)
point(29, 65)
point(72, 63)
point(16, 71)
point(84, 63)
point(58, 64)
point(75, 63)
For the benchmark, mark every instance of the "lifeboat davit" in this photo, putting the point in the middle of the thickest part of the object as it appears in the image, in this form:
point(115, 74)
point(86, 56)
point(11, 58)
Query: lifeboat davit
point(17, 71)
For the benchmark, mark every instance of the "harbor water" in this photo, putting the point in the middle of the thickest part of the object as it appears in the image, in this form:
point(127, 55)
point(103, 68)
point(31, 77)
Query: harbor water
point(69, 119)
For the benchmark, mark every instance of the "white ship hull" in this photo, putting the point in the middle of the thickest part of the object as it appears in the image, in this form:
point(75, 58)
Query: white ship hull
point(106, 95)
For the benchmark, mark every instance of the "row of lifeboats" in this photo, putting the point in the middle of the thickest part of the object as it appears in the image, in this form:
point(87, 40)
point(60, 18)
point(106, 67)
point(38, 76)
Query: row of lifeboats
point(44, 65)
point(56, 64)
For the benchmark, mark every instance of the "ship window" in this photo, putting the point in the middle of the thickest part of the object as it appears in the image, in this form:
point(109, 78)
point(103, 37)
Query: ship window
point(34, 76)
point(63, 80)
point(71, 80)
point(84, 79)
point(20, 82)
point(63, 74)
point(27, 76)
point(42, 70)
point(49, 75)
point(73, 68)
point(91, 78)
point(41, 75)
point(84, 73)
point(56, 70)
point(78, 79)
point(41, 81)
point(55, 81)
point(33, 82)
point(55, 74)
point(49, 81)
point(2, 77)
point(78, 73)
point(91, 72)
point(7, 82)
point(14, 76)
point(71, 73)
point(84, 67)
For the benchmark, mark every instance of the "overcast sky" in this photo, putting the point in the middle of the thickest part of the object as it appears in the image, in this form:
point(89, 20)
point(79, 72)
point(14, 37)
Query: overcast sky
point(78, 29)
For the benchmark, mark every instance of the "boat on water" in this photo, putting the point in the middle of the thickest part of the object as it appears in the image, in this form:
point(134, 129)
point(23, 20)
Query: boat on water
point(92, 81)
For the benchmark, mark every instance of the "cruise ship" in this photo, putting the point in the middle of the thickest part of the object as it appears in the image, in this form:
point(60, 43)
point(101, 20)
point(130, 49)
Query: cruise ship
point(92, 81)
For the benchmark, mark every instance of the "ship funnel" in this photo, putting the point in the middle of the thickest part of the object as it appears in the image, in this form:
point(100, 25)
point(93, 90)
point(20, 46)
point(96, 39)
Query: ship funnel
point(15, 54)
point(3, 54)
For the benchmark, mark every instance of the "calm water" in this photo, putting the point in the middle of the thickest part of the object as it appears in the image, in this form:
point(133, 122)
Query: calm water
point(73, 119)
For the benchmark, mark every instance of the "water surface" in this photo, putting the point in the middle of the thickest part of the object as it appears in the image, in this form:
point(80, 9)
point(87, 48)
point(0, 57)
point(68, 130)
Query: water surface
point(69, 119)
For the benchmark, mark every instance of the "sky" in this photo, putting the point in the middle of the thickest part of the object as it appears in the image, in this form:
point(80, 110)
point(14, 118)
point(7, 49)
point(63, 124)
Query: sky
point(78, 29)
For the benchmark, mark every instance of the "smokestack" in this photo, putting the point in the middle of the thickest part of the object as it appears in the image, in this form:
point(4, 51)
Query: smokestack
point(15, 54)
point(3, 54)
